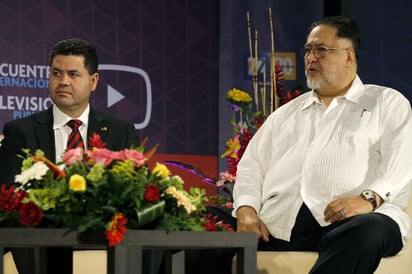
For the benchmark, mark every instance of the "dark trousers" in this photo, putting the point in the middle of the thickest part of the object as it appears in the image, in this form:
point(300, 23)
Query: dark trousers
point(59, 260)
point(26, 260)
point(352, 246)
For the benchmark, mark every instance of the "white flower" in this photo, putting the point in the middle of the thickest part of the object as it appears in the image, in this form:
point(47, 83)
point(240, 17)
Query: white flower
point(35, 172)
point(182, 199)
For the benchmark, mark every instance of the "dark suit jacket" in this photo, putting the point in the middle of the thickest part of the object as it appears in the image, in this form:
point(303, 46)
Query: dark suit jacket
point(36, 132)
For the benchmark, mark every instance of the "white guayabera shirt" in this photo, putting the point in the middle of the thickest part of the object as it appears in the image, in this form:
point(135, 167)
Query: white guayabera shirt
point(309, 153)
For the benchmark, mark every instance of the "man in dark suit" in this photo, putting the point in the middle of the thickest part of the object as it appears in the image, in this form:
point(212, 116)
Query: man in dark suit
point(73, 78)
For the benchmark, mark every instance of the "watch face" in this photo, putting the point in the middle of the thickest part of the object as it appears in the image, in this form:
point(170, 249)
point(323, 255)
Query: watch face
point(368, 194)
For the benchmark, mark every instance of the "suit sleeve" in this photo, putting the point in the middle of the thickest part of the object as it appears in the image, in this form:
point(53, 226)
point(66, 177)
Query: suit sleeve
point(131, 136)
point(10, 148)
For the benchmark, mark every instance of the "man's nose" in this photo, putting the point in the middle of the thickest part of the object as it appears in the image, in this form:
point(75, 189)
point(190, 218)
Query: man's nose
point(64, 79)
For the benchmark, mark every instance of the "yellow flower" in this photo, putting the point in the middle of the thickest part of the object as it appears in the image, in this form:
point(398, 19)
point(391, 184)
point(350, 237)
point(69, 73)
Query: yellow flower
point(238, 96)
point(232, 146)
point(77, 183)
point(161, 170)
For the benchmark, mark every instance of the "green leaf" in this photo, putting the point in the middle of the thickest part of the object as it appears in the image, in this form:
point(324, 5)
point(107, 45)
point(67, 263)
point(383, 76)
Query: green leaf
point(150, 212)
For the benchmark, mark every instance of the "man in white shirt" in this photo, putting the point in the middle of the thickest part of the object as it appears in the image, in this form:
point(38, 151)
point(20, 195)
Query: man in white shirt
point(331, 170)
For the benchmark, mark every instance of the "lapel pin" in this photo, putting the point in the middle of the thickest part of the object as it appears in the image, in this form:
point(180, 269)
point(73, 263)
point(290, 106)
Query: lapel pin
point(103, 129)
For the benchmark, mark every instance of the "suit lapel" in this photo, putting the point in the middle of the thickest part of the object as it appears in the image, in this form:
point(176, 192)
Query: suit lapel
point(45, 135)
point(97, 124)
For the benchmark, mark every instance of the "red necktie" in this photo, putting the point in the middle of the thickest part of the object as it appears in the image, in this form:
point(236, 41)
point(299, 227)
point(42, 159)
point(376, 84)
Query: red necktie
point(75, 138)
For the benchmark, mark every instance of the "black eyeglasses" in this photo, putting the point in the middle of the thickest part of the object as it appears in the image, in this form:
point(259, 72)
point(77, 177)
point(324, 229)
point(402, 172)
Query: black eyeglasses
point(318, 52)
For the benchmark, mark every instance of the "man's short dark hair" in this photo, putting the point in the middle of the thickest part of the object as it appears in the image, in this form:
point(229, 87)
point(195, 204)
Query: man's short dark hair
point(78, 47)
point(346, 28)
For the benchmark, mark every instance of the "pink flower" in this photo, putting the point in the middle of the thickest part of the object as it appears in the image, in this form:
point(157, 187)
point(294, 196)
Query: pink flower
point(226, 176)
point(130, 154)
point(72, 156)
point(228, 204)
point(101, 155)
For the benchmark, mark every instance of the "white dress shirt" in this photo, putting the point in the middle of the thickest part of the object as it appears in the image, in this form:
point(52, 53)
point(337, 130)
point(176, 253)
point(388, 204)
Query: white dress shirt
point(308, 153)
point(62, 131)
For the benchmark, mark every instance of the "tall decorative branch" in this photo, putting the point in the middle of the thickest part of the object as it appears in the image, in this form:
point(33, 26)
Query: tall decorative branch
point(255, 73)
point(250, 35)
point(273, 86)
point(264, 99)
point(251, 62)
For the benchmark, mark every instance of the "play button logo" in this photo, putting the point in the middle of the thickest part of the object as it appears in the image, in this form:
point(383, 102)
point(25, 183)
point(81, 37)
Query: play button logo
point(113, 96)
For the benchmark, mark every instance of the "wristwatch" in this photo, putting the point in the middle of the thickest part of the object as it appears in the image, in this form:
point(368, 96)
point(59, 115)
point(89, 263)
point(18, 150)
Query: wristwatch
point(369, 195)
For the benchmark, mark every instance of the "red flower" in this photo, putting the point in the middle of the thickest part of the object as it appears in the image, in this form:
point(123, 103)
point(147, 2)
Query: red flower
point(10, 200)
point(245, 136)
point(290, 95)
point(225, 226)
point(30, 214)
point(210, 226)
point(116, 229)
point(96, 141)
point(152, 193)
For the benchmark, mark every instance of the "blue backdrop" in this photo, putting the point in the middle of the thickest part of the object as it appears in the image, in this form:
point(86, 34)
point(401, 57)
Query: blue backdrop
point(290, 20)
point(386, 41)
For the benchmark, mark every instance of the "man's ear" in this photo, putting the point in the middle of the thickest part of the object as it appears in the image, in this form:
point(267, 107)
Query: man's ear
point(94, 81)
point(351, 57)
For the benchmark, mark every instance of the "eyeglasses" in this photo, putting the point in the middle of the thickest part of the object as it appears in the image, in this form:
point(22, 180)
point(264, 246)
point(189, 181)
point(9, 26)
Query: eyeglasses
point(318, 52)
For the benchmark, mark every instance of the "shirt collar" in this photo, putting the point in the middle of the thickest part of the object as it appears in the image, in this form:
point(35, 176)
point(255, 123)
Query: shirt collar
point(353, 94)
point(355, 91)
point(310, 100)
point(60, 119)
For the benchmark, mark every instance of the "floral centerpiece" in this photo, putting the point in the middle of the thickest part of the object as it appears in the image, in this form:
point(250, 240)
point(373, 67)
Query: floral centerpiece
point(103, 190)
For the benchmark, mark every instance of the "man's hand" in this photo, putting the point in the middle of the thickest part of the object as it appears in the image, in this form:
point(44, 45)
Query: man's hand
point(346, 207)
point(248, 221)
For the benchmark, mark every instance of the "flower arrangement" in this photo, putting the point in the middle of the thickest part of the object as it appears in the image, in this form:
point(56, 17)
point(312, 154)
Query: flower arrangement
point(245, 121)
point(104, 190)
